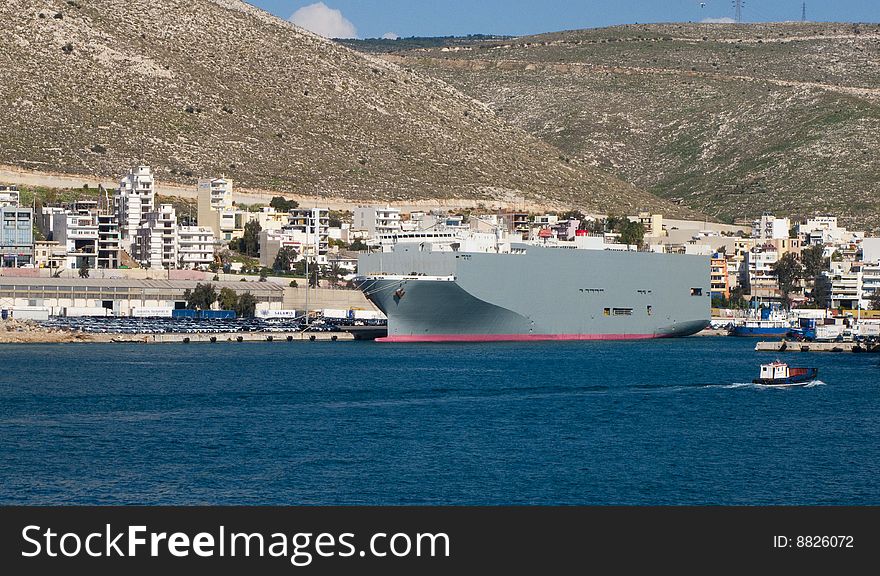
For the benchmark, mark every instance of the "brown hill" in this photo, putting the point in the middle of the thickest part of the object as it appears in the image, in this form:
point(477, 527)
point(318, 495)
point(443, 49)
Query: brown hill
point(731, 120)
point(202, 87)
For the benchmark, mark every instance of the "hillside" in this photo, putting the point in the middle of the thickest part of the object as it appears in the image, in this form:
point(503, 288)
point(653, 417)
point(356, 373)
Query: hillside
point(731, 120)
point(206, 87)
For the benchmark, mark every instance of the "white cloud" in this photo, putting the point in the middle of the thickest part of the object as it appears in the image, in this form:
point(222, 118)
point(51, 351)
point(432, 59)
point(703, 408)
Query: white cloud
point(321, 19)
point(390, 36)
point(718, 21)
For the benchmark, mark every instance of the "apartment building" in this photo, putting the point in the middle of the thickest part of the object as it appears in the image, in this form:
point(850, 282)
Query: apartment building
point(132, 201)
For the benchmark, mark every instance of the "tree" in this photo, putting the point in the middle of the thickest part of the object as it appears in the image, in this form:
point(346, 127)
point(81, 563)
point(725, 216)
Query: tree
point(813, 259)
point(201, 297)
point(228, 299)
point(264, 273)
point(573, 215)
point(632, 233)
point(250, 242)
point(334, 273)
point(358, 246)
point(875, 300)
point(738, 297)
point(281, 204)
point(84, 269)
point(285, 259)
point(246, 306)
point(788, 271)
point(615, 223)
point(596, 226)
point(821, 292)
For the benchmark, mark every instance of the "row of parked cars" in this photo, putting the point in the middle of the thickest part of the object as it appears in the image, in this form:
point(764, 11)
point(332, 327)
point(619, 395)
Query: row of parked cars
point(129, 325)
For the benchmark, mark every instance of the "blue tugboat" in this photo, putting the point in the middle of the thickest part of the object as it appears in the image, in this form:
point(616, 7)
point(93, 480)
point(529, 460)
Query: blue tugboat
point(771, 324)
point(780, 374)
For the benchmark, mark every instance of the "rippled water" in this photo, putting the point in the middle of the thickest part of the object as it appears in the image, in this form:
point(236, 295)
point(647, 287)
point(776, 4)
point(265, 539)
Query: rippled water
point(650, 422)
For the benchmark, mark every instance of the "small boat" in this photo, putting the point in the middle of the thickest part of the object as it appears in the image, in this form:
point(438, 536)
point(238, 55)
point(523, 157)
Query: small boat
point(780, 374)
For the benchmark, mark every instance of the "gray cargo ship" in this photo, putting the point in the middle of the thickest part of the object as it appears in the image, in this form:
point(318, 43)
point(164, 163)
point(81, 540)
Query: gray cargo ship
point(535, 293)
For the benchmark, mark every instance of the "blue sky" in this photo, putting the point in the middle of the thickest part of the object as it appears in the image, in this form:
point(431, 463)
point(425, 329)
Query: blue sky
point(373, 18)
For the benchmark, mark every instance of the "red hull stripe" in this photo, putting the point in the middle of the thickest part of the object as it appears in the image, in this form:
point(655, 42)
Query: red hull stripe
point(512, 337)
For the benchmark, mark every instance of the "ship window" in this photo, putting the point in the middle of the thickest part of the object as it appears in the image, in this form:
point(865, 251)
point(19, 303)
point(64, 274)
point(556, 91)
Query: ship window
point(608, 311)
point(696, 291)
point(622, 311)
point(650, 310)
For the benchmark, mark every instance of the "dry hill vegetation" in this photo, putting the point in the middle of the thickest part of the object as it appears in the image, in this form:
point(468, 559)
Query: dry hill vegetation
point(731, 120)
point(209, 87)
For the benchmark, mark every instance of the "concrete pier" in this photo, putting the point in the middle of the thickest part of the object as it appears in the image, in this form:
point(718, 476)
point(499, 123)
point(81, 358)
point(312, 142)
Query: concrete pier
point(787, 346)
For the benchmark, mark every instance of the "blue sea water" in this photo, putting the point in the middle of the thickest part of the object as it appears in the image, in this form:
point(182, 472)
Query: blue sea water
point(652, 422)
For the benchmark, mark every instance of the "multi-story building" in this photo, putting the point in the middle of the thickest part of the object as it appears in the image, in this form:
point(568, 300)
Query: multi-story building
point(108, 241)
point(215, 206)
point(77, 232)
point(870, 282)
point(377, 220)
point(195, 246)
point(271, 219)
point(718, 276)
point(653, 224)
point(16, 236)
point(272, 241)
point(546, 220)
point(819, 230)
point(771, 228)
point(846, 289)
point(9, 196)
point(87, 234)
point(519, 224)
point(762, 280)
point(133, 200)
point(155, 243)
point(314, 223)
point(871, 250)
point(49, 254)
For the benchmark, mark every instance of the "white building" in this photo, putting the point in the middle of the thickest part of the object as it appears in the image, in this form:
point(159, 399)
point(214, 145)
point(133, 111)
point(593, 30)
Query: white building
point(9, 196)
point(871, 250)
point(78, 235)
point(846, 289)
point(761, 275)
point(271, 219)
point(314, 224)
point(870, 282)
point(377, 220)
point(195, 246)
point(133, 200)
point(771, 228)
point(155, 242)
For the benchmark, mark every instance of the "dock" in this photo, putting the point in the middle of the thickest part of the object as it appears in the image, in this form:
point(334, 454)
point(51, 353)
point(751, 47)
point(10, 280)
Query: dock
point(788, 346)
point(233, 337)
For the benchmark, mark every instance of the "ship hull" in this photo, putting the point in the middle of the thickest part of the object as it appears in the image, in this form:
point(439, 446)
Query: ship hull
point(542, 295)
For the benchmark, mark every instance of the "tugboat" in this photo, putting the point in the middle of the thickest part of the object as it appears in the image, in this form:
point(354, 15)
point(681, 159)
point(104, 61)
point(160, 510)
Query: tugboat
point(780, 374)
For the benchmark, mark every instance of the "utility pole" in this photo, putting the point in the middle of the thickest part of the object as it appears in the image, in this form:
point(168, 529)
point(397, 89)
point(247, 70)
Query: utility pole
point(804, 12)
point(737, 7)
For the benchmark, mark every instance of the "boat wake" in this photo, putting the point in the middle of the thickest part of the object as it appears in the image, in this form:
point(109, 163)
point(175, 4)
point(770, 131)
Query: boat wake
point(811, 384)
